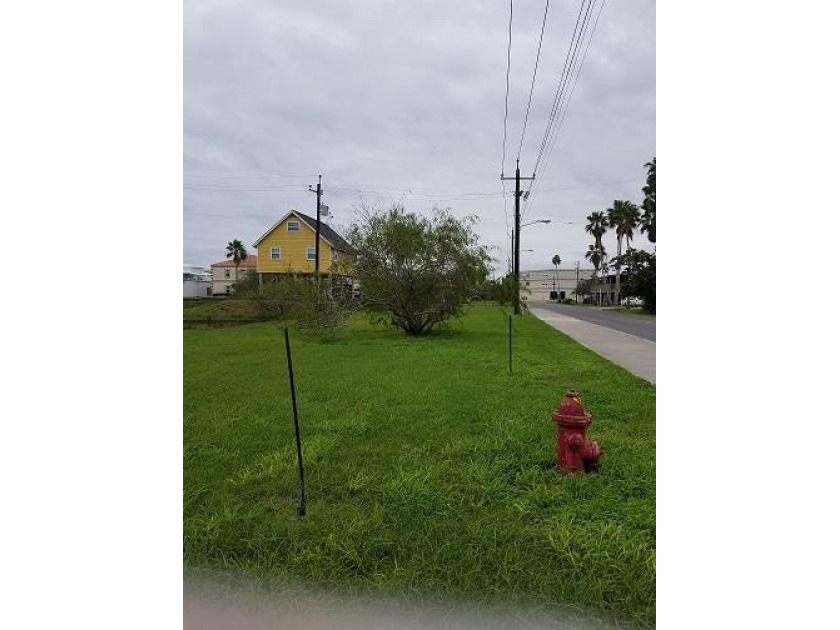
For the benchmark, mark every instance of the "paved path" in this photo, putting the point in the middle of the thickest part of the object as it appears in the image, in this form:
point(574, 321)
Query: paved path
point(635, 354)
point(632, 323)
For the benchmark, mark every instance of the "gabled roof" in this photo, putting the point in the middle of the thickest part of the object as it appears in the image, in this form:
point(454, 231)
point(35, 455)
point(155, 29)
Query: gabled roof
point(251, 261)
point(327, 233)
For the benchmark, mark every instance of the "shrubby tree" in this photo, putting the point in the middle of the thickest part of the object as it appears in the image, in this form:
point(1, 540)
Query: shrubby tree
point(640, 267)
point(317, 304)
point(584, 287)
point(416, 271)
point(248, 286)
point(502, 291)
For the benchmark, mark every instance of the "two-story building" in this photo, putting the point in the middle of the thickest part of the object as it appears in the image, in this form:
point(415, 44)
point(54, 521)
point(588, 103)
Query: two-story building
point(288, 247)
point(225, 274)
point(537, 285)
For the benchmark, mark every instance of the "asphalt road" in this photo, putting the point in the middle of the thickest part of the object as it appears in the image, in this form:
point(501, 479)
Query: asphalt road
point(643, 326)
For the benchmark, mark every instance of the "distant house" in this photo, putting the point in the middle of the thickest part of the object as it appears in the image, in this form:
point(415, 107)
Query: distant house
point(197, 282)
point(288, 247)
point(224, 274)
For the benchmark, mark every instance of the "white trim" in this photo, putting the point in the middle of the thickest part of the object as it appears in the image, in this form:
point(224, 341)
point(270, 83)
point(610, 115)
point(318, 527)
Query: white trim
point(312, 249)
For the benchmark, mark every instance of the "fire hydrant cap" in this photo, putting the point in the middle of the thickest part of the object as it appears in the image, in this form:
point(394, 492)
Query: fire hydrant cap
point(571, 410)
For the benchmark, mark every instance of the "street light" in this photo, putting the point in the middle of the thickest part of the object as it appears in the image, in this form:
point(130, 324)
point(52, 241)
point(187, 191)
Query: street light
point(513, 241)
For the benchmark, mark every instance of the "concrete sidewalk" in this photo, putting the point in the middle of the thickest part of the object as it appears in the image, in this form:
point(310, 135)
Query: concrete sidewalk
point(633, 353)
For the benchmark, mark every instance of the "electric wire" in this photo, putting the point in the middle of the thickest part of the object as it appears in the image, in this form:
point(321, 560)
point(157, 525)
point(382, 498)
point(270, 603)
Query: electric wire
point(507, 86)
point(565, 109)
point(560, 83)
point(533, 80)
point(568, 69)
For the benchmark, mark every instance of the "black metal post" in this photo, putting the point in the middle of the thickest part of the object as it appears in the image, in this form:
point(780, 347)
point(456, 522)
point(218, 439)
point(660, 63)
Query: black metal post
point(510, 344)
point(301, 511)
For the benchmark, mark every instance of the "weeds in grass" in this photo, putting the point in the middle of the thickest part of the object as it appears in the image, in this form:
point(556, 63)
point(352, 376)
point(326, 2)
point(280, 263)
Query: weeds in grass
point(429, 468)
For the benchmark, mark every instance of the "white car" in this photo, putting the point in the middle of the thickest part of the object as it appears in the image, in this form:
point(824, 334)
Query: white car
point(632, 301)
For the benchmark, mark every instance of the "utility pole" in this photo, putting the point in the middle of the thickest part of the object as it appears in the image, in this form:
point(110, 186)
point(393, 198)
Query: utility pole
point(516, 241)
point(577, 279)
point(318, 191)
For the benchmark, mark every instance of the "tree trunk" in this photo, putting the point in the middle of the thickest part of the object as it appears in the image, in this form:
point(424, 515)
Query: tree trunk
point(618, 275)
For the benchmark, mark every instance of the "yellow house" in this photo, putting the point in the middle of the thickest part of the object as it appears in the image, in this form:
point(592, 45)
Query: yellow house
point(289, 247)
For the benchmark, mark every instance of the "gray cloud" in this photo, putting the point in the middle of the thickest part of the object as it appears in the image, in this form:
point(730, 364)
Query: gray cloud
point(386, 97)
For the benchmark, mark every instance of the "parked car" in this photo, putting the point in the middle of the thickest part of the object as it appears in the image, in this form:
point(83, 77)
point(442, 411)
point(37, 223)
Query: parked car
point(632, 301)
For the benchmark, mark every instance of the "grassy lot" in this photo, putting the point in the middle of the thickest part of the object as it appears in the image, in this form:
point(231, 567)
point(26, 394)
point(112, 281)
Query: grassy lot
point(220, 311)
point(429, 468)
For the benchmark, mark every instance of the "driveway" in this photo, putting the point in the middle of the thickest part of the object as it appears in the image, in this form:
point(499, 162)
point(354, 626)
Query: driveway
point(637, 324)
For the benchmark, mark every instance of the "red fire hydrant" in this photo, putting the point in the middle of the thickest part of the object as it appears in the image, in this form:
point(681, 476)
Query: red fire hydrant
point(574, 452)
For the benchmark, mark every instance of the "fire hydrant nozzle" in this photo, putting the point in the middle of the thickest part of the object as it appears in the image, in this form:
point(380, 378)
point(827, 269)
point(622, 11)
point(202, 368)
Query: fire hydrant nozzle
point(575, 453)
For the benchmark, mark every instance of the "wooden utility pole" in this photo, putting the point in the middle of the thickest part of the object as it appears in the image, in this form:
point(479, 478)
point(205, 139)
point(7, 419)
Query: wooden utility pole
point(516, 233)
point(318, 191)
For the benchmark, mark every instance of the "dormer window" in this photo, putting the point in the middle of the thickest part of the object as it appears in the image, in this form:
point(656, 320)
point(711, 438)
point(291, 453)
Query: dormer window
point(293, 226)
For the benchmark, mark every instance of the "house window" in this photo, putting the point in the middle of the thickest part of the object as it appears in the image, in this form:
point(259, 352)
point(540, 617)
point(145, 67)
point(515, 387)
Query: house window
point(275, 253)
point(293, 226)
point(310, 253)
point(227, 273)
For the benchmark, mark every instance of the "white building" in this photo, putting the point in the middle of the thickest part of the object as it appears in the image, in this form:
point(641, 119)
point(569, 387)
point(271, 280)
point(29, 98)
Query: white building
point(225, 274)
point(198, 282)
point(537, 285)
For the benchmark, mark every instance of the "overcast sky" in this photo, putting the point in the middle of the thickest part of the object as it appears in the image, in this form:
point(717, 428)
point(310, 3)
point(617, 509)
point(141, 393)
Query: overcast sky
point(404, 101)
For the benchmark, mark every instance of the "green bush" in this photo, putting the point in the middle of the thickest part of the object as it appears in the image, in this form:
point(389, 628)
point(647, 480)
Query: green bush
point(315, 304)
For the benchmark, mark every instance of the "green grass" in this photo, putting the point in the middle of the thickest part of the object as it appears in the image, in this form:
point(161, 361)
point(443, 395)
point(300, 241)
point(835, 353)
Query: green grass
point(429, 468)
point(220, 310)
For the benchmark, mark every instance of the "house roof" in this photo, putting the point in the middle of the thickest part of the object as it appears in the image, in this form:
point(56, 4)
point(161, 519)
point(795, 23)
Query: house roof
point(327, 233)
point(251, 261)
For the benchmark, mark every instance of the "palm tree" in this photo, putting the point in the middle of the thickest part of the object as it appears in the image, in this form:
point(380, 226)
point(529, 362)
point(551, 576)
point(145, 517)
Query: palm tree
point(596, 254)
point(555, 261)
point(624, 217)
point(597, 226)
point(236, 250)
point(648, 222)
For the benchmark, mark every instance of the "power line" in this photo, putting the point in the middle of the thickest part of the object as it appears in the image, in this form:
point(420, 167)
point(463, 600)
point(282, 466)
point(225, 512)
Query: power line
point(216, 189)
point(507, 85)
point(247, 174)
point(424, 196)
point(564, 108)
point(560, 82)
point(571, 56)
point(533, 80)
